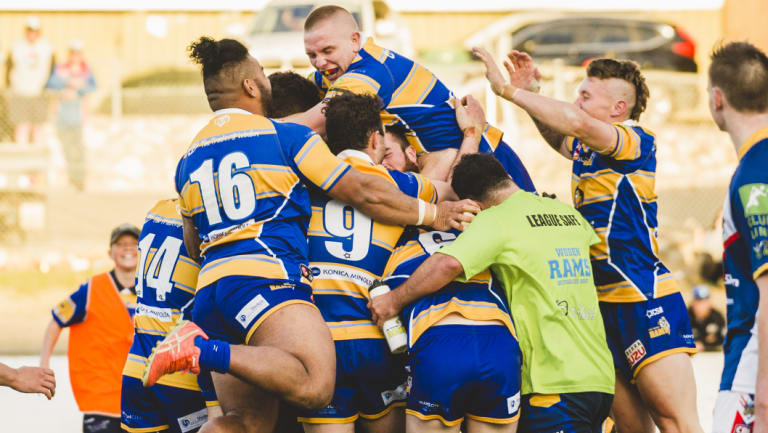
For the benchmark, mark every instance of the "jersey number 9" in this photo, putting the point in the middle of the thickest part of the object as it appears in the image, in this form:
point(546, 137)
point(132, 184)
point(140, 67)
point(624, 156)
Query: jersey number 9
point(343, 221)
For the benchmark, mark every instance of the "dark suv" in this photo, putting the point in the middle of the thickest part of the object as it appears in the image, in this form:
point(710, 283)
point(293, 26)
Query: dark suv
point(576, 40)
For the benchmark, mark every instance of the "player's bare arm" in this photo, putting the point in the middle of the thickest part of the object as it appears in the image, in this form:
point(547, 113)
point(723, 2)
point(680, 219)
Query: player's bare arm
point(312, 118)
point(191, 238)
point(383, 202)
point(29, 379)
point(561, 117)
point(436, 272)
point(50, 337)
point(761, 387)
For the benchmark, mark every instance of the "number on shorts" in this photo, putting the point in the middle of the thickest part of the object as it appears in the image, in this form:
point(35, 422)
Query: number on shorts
point(344, 221)
point(160, 270)
point(238, 198)
point(433, 241)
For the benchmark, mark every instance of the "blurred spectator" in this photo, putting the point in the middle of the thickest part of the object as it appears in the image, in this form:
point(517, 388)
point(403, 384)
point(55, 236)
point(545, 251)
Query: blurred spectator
point(28, 67)
point(708, 324)
point(72, 80)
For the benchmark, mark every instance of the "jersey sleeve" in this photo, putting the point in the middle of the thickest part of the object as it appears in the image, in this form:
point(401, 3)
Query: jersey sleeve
point(72, 309)
point(477, 248)
point(754, 200)
point(415, 185)
point(570, 144)
point(354, 82)
point(180, 181)
point(628, 145)
point(592, 238)
point(314, 161)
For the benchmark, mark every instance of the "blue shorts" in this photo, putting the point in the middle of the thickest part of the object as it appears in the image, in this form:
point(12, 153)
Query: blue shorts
point(231, 308)
point(370, 381)
point(639, 333)
point(160, 408)
point(465, 370)
point(581, 412)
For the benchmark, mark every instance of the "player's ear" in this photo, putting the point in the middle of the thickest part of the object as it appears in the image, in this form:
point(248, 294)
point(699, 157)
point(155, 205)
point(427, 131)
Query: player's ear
point(356, 41)
point(410, 153)
point(619, 108)
point(718, 98)
point(250, 88)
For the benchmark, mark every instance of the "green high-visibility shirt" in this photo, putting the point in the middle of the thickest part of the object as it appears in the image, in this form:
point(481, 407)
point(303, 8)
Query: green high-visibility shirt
point(539, 250)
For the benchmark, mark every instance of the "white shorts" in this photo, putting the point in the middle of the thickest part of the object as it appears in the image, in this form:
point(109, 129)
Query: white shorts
point(734, 412)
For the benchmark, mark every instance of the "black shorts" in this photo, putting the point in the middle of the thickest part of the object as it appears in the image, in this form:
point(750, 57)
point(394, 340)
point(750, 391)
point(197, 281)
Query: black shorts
point(93, 423)
point(581, 412)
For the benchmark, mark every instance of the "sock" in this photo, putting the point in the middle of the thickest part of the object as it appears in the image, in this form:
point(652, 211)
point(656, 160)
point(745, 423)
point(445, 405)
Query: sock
point(214, 354)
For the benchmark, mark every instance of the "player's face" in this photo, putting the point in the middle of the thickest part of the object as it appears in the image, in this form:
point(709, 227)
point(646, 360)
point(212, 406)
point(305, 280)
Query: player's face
point(394, 156)
point(594, 98)
point(256, 72)
point(125, 252)
point(331, 49)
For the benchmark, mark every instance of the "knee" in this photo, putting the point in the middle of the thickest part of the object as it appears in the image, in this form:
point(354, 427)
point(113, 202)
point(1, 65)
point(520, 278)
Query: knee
point(316, 396)
point(223, 424)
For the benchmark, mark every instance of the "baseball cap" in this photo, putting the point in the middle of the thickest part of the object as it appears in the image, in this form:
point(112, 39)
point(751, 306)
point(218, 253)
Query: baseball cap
point(123, 229)
point(701, 292)
point(76, 45)
point(32, 23)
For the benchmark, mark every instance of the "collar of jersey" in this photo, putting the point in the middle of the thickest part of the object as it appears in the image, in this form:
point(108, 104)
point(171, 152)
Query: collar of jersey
point(355, 154)
point(367, 43)
point(232, 111)
point(756, 136)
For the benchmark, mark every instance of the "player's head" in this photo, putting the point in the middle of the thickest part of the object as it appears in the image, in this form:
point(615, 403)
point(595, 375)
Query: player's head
point(613, 91)
point(399, 155)
point(291, 94)
point(353, 121)
point(32, 29)
point(738, 79)
point(232, 78)
point(123, 246)
point(331, 40)
point(478, 176)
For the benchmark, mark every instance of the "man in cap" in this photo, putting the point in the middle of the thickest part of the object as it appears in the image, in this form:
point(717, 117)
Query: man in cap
point(99, 315)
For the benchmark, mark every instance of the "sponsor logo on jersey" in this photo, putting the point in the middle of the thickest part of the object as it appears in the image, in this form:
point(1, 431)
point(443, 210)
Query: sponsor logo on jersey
point(513, 403)
point(663, 328)
point(342, 273)
point(654, 311)
point(221, 120)
point(193, 421)
point(729, 280)
point(635, 352)
point(251, 310)
point(754, 198)
point(161, 314)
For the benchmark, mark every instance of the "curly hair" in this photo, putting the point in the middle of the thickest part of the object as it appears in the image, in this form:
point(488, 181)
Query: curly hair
point(350, 119)
point(292, 93)
point(628, 71)
point(740, 70)
point(215, 55)
point(477, 175)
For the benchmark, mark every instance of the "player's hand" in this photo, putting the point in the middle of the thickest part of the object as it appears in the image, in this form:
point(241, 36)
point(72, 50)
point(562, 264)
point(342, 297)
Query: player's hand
point(492, 71)
point(470, 116)
point(35, 380)
point(455, 214)
point(383, 308)
point(522, 72)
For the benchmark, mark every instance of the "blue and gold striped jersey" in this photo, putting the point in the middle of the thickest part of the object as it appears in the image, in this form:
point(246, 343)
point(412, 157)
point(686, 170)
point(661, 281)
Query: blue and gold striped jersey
point(165, 285)
point(615, 192)
point(414, 97)
point(477, 299)
point(348, 250)
point(243, 181)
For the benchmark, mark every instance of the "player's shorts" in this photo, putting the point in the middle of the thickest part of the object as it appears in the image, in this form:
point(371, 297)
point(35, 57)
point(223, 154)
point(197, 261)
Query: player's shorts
point(160, 408)
point(639, 333)
point(231, 308)
point(94, 423)
point(581, 412)
point(370, 381)
point(465, 370)
point(734, 412)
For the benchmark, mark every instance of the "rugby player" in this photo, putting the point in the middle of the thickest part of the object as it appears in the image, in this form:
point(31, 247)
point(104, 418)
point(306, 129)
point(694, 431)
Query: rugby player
point(245, 208)
point(291, 93)
point(538, 248)
point(165, 286)
point(99, 317)
point(412, 95)
point(738, 79)
point(613, 184)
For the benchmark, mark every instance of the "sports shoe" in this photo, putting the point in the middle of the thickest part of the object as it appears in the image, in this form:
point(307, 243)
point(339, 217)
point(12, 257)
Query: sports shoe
point(177, 352)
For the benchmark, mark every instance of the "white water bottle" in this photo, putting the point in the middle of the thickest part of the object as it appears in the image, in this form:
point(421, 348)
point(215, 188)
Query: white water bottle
point(393, 329)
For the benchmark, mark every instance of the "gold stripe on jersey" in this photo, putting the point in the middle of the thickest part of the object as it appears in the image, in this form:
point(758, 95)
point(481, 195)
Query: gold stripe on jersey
point(253, 265)
point(353, 82)
point(627, 145)
point(155, 326)
point(472, 310)
point(354, 330)
point(493, 135)
point(415, 88)
point(134, 367)
point(229, 126)
point(665, 285)
point(318, 163)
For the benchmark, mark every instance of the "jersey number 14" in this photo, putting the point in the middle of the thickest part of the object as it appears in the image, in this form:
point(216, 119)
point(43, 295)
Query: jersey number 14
point(160, 270)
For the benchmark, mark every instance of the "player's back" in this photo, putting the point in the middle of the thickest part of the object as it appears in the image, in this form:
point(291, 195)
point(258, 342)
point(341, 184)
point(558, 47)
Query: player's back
point(478, 299)
point(166, 278)
point(242, 182)
point(348, 250)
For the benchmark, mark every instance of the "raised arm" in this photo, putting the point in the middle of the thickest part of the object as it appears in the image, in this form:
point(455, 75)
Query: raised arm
point(313, 118)
point(435, 273)
point(560, 118)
